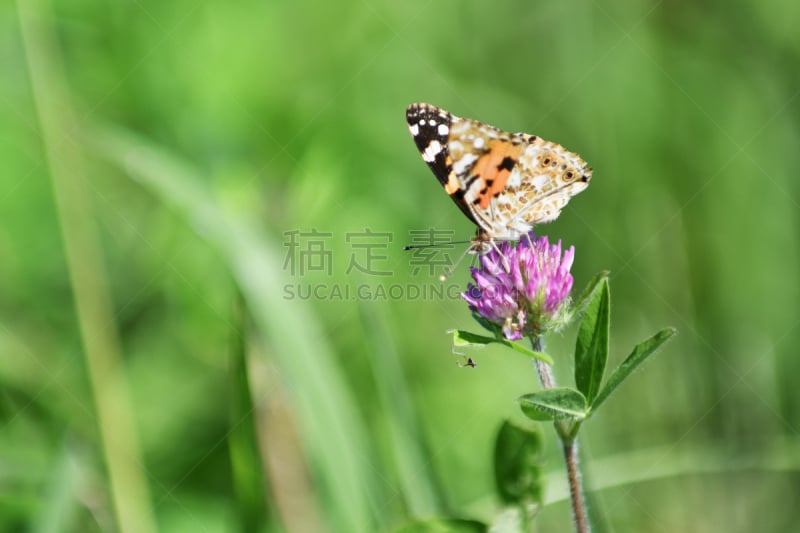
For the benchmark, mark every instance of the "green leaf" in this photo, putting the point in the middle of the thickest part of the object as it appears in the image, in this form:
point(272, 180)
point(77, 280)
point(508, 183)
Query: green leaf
point(591, 347)
point(554, 404)
point(445, 525)
point(517, 465)
point(640, 353)
point(530, 353)
point(465, 338)
point(588, 291)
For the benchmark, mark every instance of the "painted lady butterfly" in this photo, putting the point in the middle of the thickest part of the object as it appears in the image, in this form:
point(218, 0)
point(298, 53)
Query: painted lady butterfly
point(504, 182)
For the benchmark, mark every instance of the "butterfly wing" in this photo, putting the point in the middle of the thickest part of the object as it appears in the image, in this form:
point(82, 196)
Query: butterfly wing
point(504, 182)
point(548, 177)
point(430, 128)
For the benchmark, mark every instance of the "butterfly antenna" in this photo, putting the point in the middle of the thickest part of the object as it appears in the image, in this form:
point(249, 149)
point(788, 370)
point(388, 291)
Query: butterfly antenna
point(449, 270)
point(437, 245)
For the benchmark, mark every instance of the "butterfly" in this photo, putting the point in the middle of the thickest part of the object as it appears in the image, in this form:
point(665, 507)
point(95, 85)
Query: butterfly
point(506, 183)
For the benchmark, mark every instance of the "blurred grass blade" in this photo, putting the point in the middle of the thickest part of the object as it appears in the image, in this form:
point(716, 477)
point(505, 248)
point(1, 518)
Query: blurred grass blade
point(639, 355)
point(254, 509)
point(333, 433)
point(591, 345)
point(665, 462)
point(61, 503)
point(420, 489)
point(445, 525)
point(95, 312)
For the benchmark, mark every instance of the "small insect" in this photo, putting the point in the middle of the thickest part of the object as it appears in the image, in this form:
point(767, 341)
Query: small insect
point(504, 182)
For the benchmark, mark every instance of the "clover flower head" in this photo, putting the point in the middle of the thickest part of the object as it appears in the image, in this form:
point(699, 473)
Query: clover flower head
point(523, 288)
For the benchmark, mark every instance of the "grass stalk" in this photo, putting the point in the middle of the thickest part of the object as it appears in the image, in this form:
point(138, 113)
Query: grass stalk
point(59, 128)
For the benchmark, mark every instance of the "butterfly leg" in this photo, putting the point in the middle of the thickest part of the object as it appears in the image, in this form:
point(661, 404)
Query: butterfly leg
point(494, 211)
point(528, 238)
point(506, 264)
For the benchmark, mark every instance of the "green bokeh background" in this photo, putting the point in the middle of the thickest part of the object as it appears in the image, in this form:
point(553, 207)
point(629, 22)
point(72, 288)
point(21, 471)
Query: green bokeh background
point(208, 130)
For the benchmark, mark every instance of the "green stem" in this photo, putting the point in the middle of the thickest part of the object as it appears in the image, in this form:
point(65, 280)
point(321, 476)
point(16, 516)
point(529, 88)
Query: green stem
point(569, 442)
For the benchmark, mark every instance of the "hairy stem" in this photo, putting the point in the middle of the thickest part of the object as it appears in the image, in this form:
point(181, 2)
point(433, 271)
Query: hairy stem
point(545, 373)
point(575, 488)
point(569, 443)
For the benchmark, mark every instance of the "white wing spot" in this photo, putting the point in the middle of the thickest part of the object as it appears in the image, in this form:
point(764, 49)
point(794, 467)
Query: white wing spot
point(431, 151)
point(461, 166)
point(414, 129)
point(540, 181)
point(478, 143)
point(422, 122)
point(443, 129)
